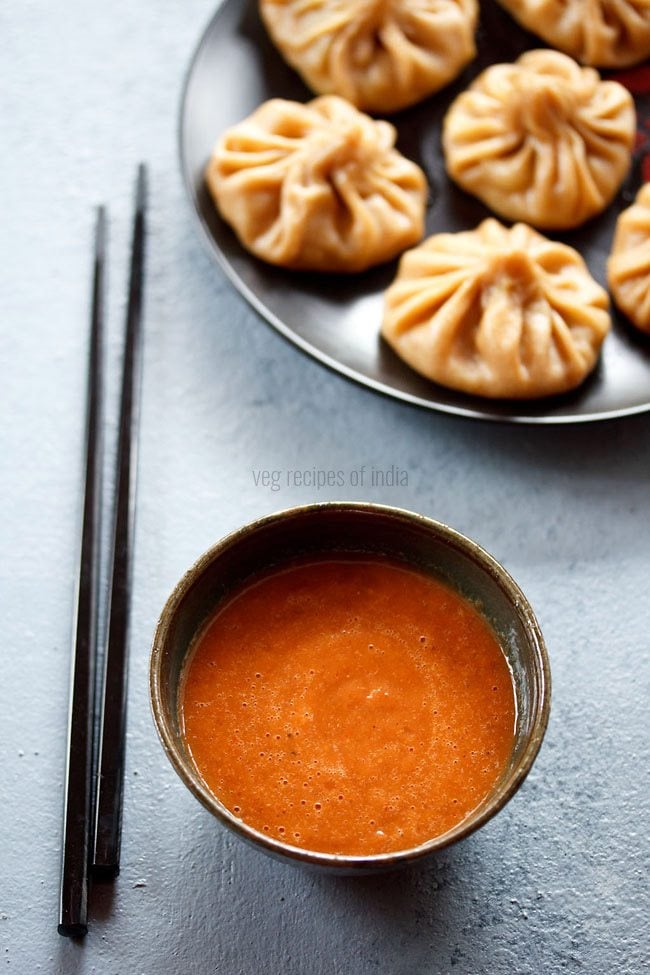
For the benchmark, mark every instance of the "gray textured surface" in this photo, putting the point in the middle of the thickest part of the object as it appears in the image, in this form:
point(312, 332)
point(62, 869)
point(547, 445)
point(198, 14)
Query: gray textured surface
point(558, 882)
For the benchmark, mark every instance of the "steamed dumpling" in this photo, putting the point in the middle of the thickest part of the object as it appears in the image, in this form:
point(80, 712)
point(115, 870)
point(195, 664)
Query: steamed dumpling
point(605, 33)
point(497, 312)
point(379, 54)
point(317, 187)
point(541, 140)
point(628, 267)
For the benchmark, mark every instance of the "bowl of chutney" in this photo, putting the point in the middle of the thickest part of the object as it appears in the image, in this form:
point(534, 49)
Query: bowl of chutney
point(349, 686)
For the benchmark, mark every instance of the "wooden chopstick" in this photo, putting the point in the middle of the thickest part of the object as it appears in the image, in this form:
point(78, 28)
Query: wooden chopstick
point(110, 782)
point(73, 902)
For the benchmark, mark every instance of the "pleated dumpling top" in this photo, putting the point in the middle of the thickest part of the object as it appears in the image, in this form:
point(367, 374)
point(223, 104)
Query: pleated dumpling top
point(541, 140)
point(497, 312)
point(628, 268)
point(381, 55)
point(317, 187)
point(603, 33)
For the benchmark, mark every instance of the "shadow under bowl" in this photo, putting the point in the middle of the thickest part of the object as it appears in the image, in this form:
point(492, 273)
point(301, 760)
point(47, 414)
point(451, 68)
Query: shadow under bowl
point(376, 530)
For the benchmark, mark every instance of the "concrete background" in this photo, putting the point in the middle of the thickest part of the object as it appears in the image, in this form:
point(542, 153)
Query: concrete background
point(558, 882)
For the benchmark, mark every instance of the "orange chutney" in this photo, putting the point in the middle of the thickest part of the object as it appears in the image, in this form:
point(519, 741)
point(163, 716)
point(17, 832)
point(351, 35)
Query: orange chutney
point(349, 705)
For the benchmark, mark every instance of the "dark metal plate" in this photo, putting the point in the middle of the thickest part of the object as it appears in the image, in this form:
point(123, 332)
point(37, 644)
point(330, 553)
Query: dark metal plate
point(335, 318)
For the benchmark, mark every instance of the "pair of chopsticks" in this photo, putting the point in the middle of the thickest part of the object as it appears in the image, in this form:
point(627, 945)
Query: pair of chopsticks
point(95, 768)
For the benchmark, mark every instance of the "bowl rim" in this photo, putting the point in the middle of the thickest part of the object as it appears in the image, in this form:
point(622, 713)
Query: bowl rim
point(505, 789)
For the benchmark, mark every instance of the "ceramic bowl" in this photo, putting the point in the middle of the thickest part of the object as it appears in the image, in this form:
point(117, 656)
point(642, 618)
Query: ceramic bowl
point(352, 527)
